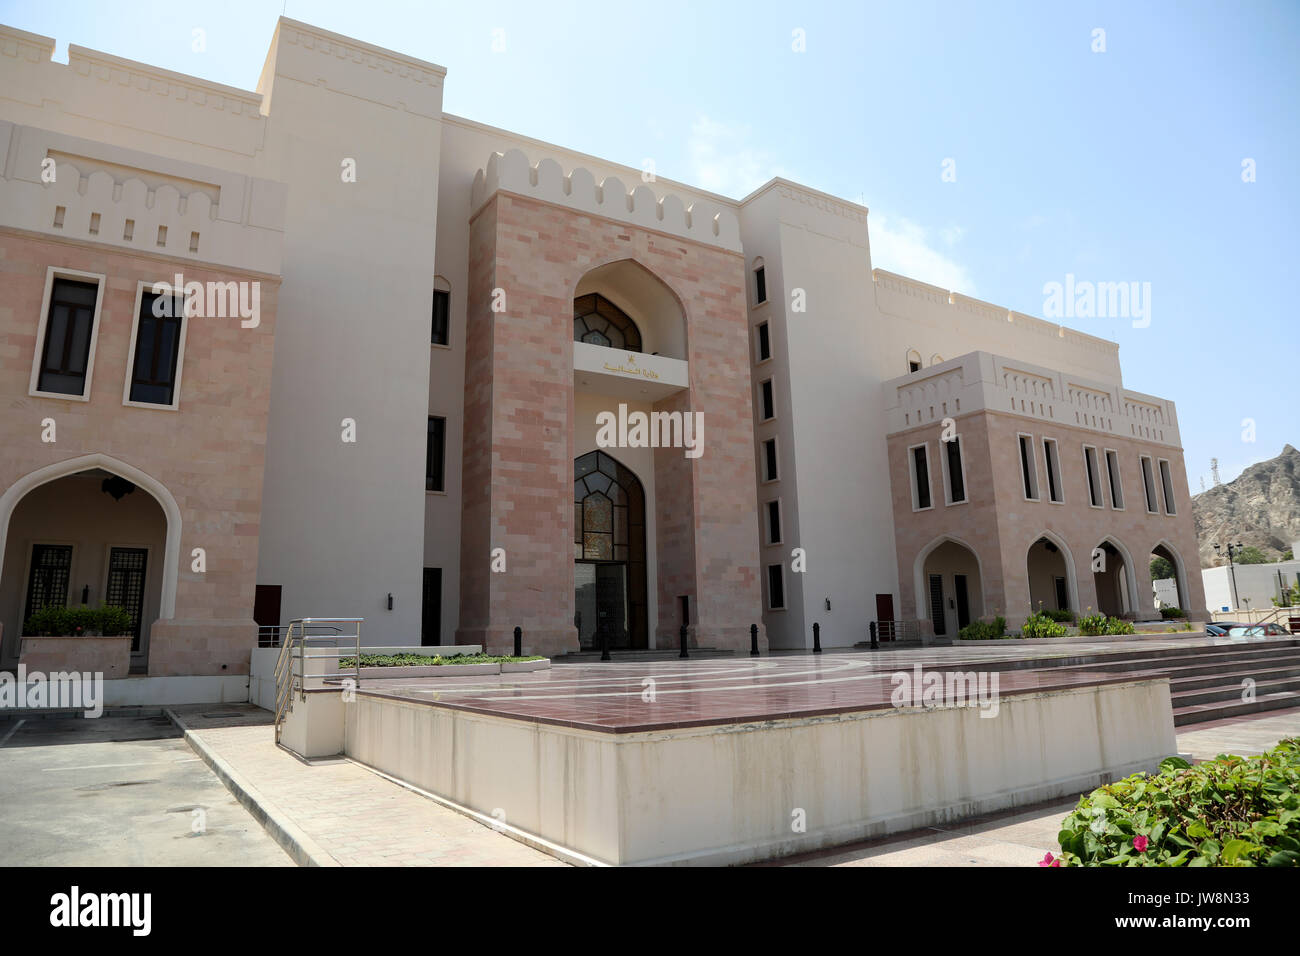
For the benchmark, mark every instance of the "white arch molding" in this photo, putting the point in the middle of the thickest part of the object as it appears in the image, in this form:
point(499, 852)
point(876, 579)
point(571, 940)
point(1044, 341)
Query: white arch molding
point(921, 591)
point(71, 466)
point(1130, 577)
point(1071, 576)
point(1180, 573)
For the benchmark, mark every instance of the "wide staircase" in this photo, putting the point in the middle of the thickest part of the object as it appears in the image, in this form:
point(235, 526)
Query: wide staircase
point(1207, 682)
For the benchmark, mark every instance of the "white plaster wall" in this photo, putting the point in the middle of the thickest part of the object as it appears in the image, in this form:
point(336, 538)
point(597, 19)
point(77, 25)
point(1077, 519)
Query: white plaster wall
point(827, 390)
point(1256, 584)
point(341, 523)
point(934, 321)
point(760, 232)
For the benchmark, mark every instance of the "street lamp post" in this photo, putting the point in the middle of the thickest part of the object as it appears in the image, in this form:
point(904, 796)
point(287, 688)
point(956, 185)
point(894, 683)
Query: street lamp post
point(1232, 571)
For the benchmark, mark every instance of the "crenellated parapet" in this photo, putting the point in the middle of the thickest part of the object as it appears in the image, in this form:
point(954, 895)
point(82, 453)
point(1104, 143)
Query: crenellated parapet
point(701, 221)
point(981, 381)
point(79, 189)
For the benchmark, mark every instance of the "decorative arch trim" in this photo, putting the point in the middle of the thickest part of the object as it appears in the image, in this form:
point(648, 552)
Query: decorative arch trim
point(920, 591)
point(71, 466)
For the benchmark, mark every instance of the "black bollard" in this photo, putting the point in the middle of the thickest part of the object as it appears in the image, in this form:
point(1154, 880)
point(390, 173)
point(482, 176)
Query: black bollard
point(682, 637)
point(604, 644)
point(875, 644)
point(817, 638)
point(753, 640)
point(519, 641)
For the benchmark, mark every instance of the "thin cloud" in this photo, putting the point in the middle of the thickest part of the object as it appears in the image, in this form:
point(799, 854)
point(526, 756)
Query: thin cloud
point(723, 159)
point(902, 246)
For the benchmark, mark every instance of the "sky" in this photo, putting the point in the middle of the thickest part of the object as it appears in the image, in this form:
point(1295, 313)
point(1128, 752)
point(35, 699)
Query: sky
point(1000, 146)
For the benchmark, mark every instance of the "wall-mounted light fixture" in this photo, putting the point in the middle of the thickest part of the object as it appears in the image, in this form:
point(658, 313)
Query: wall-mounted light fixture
point(390, 600)
point(828, 604)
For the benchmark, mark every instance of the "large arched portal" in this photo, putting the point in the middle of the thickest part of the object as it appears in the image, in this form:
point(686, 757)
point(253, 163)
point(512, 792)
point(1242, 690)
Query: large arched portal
point(1168, 577)
point(609, 552)
point(949, 586)
point(88, 537)
point(1112, 574)
point(1050, 569)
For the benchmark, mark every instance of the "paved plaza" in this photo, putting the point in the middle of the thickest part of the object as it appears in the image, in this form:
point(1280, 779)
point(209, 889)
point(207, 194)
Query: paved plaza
point(118, 791)
point(632, 696)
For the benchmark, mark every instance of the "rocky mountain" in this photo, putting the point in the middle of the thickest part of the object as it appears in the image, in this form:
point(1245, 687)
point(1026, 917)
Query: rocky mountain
point(1260, 507)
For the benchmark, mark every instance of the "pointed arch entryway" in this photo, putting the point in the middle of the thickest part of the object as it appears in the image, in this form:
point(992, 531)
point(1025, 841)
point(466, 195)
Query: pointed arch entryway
point(609, 552)
point(14, 495)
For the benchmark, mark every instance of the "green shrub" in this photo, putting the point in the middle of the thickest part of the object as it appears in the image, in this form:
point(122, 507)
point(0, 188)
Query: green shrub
point(1039, 624)
point(425, 660)
point(52, 621)
point(1092, 624)
point(1095, 624)
point(1063, 616)
point(1170, 612)
point(1230, 811)
point(984, 630)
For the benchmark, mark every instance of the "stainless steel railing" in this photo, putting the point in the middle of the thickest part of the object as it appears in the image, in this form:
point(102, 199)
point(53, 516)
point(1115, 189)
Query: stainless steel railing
point(292, 670)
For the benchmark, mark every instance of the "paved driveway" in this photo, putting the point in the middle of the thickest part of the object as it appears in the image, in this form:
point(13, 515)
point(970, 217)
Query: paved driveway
point(122, 791)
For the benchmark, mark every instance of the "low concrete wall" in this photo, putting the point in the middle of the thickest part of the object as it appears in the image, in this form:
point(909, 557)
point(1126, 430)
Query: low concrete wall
point(741, 792)
point(313, 725)
point(261, 668)
point(176, 690)
point(109, 656)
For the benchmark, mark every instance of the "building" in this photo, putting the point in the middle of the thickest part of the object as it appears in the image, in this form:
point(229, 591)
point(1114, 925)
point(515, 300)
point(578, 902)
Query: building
point(314, 463)
point(1249, 587)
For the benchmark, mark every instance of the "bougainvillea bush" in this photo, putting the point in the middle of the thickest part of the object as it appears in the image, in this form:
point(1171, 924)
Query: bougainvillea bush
point(1230, 811)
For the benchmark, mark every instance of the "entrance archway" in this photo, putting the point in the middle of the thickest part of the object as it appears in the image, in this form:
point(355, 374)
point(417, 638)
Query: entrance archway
point(1164, 593)
point(90, 529)
point(1114, 579)
point(609, 552)
point(949, 584)
point(1050, 570)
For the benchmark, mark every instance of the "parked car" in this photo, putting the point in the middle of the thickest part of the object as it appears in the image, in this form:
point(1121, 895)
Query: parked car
point(1237, 629)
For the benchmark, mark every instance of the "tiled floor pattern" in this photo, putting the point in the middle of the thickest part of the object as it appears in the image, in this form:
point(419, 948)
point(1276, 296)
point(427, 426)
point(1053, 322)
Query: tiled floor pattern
point(624, 697)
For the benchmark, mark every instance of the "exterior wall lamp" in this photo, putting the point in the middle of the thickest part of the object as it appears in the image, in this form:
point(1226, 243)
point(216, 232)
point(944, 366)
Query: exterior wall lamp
point(390, 600)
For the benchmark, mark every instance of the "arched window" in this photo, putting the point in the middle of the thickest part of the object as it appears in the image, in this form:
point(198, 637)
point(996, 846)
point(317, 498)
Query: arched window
point(597, 321)
point(609, 551)
point(609, 510)
point(913, 361)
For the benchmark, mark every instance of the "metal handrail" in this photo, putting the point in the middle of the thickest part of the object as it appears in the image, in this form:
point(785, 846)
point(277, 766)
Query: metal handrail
point(288, 677)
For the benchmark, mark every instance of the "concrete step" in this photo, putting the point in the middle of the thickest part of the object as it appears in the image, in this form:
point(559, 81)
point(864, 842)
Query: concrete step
point(1258, 671)
point(1217, 710)
point(1233, 690)
point(1152, 658)
point(1194, 666)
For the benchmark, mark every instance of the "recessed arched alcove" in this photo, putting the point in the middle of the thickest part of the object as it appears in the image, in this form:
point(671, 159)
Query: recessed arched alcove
point(643, 298)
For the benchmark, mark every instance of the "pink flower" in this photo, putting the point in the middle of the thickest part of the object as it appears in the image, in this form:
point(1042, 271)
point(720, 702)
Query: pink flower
point(1049, 860)
point(1140, 843)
